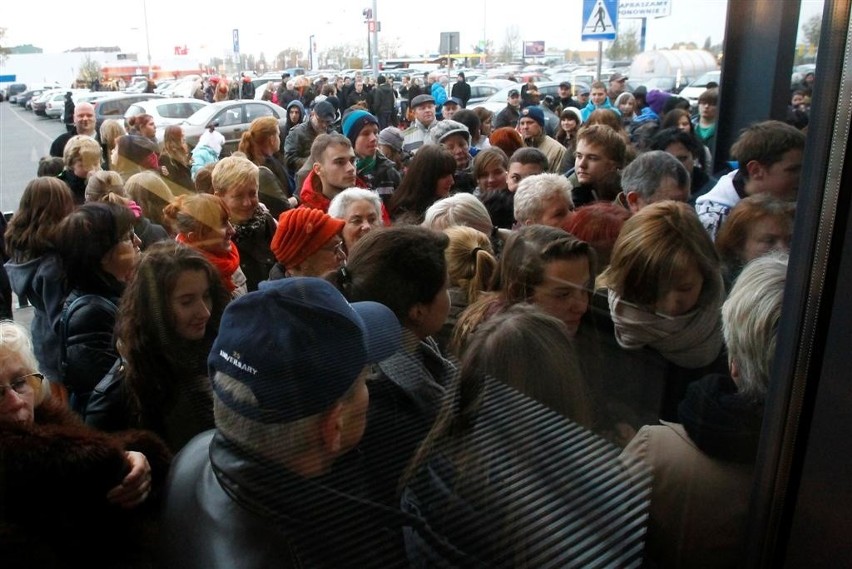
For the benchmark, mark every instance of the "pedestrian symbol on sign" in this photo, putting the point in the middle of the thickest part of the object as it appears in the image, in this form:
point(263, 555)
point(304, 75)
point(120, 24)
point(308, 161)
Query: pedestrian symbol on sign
point(599, 21)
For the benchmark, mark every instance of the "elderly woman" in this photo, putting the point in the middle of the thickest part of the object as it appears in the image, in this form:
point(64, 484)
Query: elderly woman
point(236, 181)
point(361, 210)
point(703, 465)
point(64, 481)
point(543, 199)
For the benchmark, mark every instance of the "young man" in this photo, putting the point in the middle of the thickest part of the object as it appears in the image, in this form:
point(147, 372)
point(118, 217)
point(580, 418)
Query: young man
point(274, 484)
point(705, 122)
point(599, 157)
point(598, 100)
point(332, 171)
point(770, 161)
point(511, 113)
point(653, 176)
point(461, 90)
point(531, 128)
point(617, 83)
point(373, 170)
point(423, 107)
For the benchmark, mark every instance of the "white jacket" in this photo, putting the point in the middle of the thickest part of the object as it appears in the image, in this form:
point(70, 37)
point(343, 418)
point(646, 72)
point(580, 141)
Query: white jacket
point(715, 206)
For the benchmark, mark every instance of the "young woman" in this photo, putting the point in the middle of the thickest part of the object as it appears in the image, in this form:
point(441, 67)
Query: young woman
point(34, 268)
point(236, 181)
point(261, 143)
point(403, 268)
point(470, 265)
point(111, 131)
point(202, 222)
point(540, 265)
point(172, 308)
point(665, 286)
point(570, 120)
point(429, 178)
point(175, 161)
point(490, 169)
point(99, 251)
point(138, 149)
point(509, 481)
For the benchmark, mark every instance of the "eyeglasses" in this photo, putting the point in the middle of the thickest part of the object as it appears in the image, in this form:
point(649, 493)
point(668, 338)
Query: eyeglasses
point(339, 249)
point(20, 385)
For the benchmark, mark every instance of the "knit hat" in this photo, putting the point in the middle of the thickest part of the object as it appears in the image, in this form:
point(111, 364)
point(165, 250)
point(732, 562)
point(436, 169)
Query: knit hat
point(534, 113)
point(656, 100)
point(392, 136)
point(296, 346)
point(325, 111)
point(449, 127)
point(354, 121)
point(302, 232)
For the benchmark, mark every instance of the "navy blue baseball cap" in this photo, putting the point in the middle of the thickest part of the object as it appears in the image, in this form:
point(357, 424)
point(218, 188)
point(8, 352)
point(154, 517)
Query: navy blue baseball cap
point(297, 345)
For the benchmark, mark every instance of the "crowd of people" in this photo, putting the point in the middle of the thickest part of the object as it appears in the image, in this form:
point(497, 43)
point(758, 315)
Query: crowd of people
point(464, 343)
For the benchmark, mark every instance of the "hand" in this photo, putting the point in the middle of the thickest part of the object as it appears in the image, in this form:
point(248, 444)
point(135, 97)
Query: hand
point(136, 486)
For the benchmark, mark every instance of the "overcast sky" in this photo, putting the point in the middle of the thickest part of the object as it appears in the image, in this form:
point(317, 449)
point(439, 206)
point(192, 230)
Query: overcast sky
point(206, 28)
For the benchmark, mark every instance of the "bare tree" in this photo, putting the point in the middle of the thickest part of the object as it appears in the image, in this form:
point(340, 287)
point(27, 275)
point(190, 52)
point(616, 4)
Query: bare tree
point(811, 30)
point(89, 70)
point(389, 47)
point(4, 51)
point(625, 46)
point(511, 44)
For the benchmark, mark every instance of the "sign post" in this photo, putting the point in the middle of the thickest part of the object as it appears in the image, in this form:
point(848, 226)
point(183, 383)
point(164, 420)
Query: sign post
point(600, 22)
point(236, 34)
point(642, 10)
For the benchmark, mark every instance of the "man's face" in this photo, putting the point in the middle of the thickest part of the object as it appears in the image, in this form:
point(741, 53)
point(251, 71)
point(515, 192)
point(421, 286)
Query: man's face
point(359, 86)
point(320, 125)
point(598, 96)
point(529, 128)
point(780, 180)
point(84, 118)
point(515, 101)
point(617, 86)
point(668, 189)
point(460, 79)
point(564, 92)
point(367, 141)
point(337, 167)
point(682, 153)
point(459, 148)
point(449, 110)
point(425, 113)
point(707, 111)
point(295, 115)
point(518, 172)
point(592, 163)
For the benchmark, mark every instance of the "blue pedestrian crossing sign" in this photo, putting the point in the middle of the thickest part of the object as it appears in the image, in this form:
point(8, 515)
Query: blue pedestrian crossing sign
point(600, 20)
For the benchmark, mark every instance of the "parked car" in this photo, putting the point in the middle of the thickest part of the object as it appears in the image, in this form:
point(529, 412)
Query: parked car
point(484, 88)
point(13, 90)
point(497, 102)
point(231, 118)
point(39, 104)
point(669, 84)
point(692, 91)
point(114, 106)
point(166, 111)
point(27, 96)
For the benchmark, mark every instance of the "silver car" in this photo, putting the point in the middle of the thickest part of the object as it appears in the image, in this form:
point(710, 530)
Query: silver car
point(231, 118)
point(166, 111)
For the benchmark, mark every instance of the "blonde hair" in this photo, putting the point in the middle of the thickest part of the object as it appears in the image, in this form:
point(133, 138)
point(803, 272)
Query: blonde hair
point(82, 148)
point(470, 260)
point(102, 184)
point(233, 171)
point(110, 131)
point(459, 209)
point(662, 239)
point(150, 193)
point(196, 213)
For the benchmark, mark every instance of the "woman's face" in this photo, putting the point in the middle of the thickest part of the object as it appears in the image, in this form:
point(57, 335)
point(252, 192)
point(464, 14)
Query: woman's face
point(17, 391)
point(274, 144)
point(626, 106)
point(148, 129)
point(680, 294)
point(765, 235)
point(492, 178)
point(216, 240)
point(242, 200)
point(684, 124)
point(459, 148)
point(361, 218)
point(443, 186)
point(564, 291)
point(120, 261)
point(485, 128)
point(434, 314)
point(569, 125)
point(191, 304)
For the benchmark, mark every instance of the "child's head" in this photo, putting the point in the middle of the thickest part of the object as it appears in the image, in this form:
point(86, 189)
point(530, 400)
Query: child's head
point(662, 259)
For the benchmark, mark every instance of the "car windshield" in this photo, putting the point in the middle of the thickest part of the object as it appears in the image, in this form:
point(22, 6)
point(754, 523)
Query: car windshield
point(706, 78)
point(202, 116)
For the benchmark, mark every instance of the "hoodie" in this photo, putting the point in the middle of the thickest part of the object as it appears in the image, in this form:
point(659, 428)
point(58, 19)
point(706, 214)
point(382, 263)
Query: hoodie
point(41, 283)
point(590, 108)
point(715, 206)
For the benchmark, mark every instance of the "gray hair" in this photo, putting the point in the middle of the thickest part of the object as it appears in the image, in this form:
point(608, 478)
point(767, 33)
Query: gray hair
point(459, 209)
point(750, 321)
point(645, 174)
point(341, 202)
point(533, 191)
point(15, 342)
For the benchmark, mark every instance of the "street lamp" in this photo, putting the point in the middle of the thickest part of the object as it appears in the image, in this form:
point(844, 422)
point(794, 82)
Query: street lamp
point(147, 40)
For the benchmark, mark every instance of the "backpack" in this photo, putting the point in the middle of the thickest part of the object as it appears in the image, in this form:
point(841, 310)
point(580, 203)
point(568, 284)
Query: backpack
point(67, 313)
